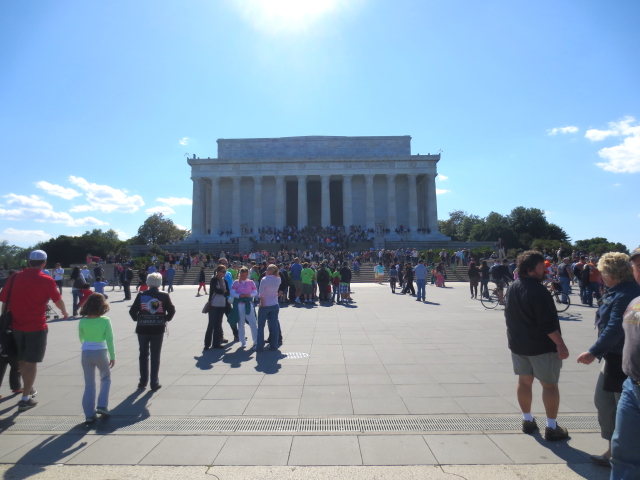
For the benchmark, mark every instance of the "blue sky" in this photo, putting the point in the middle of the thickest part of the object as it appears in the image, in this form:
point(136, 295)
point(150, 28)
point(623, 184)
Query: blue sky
point(533, 104)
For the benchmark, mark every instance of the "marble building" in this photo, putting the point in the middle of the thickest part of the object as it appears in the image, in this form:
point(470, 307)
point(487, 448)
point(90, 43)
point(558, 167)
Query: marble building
point(374, 182)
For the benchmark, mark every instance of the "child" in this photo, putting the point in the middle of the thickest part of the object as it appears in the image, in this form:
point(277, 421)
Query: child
point(99, 286)
point(86, 293)
point(98, 351)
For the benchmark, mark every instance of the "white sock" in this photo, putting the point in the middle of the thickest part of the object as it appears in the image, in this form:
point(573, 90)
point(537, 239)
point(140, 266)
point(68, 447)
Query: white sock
point(528, 417)
point(25, 399)
point(551, 423)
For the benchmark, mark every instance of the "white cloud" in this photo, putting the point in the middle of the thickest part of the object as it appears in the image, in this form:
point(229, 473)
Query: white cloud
point(35, 209)
point(442, 177)
point(164, 209)
point(105, 198)
point(174, 202)
point(185, 228)
point(622, 158)
point(440, 191)
point(33, 235)
point(563, 130)
point(184, 141)
point(122, 235)
point(57, 190)
point(617, 184)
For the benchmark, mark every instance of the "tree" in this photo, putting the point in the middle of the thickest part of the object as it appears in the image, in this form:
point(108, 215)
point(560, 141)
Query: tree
point(531, 221)
point(11, 255)
point(67, 250)
point(450, 226)
point(600, 245)
point(157, 230)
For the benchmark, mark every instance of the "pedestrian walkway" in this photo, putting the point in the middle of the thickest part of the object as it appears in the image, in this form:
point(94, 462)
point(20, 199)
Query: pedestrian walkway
point(383, 381)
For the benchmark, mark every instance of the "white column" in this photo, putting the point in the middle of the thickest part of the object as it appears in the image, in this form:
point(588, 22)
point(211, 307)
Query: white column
point(302, 201)
point(206, 228)
point(280, 201)
point(413, 203)
point(326, 202)
point(257, 203)
point(215, 205)
point(432, 203)
point(392, 221)
point(196, 207)
point(347, 202)
point(371, 218)
point(235, 207)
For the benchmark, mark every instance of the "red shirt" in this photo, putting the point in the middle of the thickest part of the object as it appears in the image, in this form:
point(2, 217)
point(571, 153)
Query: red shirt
point(30, 294)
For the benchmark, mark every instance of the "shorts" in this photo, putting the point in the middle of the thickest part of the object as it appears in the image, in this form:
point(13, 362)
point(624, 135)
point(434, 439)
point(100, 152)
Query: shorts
point(499, 284)
point(31, 345)
point(545, 367)
point(344, 288)
point(307, 289)
point(297, 284)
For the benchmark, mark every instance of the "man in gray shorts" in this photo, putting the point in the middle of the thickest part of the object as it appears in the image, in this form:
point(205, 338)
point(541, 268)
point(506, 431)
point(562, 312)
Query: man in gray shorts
point(535, 341)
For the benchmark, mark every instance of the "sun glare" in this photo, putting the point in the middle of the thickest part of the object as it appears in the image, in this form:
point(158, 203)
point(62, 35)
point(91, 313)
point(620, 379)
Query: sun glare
point(277, 16)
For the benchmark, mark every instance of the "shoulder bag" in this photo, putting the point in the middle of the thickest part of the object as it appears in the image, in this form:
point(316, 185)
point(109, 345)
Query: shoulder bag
point(8, 345)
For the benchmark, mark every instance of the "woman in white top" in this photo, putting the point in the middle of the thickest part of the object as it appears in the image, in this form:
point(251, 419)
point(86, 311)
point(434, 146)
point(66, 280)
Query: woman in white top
point(58, 276)
point(243, 291)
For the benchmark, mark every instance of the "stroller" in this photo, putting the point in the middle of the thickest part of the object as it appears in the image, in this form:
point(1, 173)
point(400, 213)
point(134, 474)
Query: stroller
point(51, 313)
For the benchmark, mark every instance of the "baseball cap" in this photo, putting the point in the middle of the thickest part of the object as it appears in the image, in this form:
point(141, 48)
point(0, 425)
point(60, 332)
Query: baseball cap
point(635, 253)
point(38, 255)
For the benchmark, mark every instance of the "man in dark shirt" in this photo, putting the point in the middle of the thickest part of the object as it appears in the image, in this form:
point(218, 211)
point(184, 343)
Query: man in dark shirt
point(535, 341)
point(499, 275)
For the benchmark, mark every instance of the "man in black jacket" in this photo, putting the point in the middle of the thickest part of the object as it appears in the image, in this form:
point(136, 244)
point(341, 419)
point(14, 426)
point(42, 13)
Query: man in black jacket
point(126, 277)
point(345, 282)
point(535, 341)
point(324, 277)
point(151, 309)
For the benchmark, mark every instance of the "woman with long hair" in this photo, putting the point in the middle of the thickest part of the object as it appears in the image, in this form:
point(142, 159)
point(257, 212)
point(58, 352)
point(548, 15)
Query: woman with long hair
point(474, 276)
point(76, 288)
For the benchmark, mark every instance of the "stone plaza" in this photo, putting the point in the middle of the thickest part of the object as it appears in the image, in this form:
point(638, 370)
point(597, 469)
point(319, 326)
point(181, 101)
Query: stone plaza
point(374, 182)
point(385, 381)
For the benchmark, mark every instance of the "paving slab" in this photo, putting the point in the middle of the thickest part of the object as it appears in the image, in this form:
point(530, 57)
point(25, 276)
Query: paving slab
point(325, 450)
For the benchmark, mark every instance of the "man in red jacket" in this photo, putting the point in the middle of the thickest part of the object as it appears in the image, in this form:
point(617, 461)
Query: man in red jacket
point(28, 293)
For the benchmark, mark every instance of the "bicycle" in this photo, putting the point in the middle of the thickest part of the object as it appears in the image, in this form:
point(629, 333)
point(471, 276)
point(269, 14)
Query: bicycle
point(555, 289)
point(493, 300)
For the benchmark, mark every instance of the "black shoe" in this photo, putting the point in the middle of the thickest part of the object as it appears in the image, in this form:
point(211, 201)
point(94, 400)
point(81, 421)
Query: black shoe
point(529, 426)
point(553, 434)
point(155, 388)
point(23, 406)
point(218, 346)
point(205, 349)
point(224, 340)
point(141, 386)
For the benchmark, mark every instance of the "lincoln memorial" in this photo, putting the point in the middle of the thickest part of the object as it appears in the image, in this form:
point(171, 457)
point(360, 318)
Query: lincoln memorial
point(374, 182)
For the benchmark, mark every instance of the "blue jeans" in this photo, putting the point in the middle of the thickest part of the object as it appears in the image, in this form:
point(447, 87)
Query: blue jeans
point(421, 284)
point(484, 287)
point(150, 346)
point(77, 295)
point(565, 283)
point(92, 359)
point(625, 444)
point(592, 288)
point(268, 315)
point(582, 288)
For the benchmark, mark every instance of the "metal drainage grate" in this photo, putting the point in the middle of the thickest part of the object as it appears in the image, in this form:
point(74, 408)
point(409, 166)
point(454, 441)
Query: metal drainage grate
point(388, 424)
point(292, 355)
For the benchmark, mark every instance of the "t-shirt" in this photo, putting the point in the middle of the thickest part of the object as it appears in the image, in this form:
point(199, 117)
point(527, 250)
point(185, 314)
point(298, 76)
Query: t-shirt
point(379, 269)
point(631, 351)
point(95, 333)
point(296, 270)
point(30, 294)
point(420, 272)
point(269, 287)
point(99, 287)
point(58, 274)
point(307, 275)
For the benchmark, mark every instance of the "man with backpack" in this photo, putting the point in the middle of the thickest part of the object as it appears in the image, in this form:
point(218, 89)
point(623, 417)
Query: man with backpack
point(324, 277)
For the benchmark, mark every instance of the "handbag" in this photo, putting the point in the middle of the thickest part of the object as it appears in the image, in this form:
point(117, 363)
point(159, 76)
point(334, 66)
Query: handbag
point(8, 347)
point(614, 377)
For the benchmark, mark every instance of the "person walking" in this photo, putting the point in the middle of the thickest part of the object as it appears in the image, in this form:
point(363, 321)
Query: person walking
point(621, 290)
point(269, 309)
point(218, 293)
point(151, 310)
point(420, 272)
point(536, 343)
point(98, 352)
point(169, 277)
point(243, 291)
point(393, 278)
point(201, 281)
point(378, 271)
point(591, 281)
point(76, 288)
point(565, 276)
point(625, 443)
point(26, 296)
point(58, 276)
point(408, 279)
point(474, 276)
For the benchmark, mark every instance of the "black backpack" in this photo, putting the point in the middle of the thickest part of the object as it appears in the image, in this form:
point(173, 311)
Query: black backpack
point(586, 271)
point(577, 272)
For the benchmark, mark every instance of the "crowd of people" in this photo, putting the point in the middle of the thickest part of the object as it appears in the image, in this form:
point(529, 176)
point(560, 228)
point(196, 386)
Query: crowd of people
point(252, 295)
